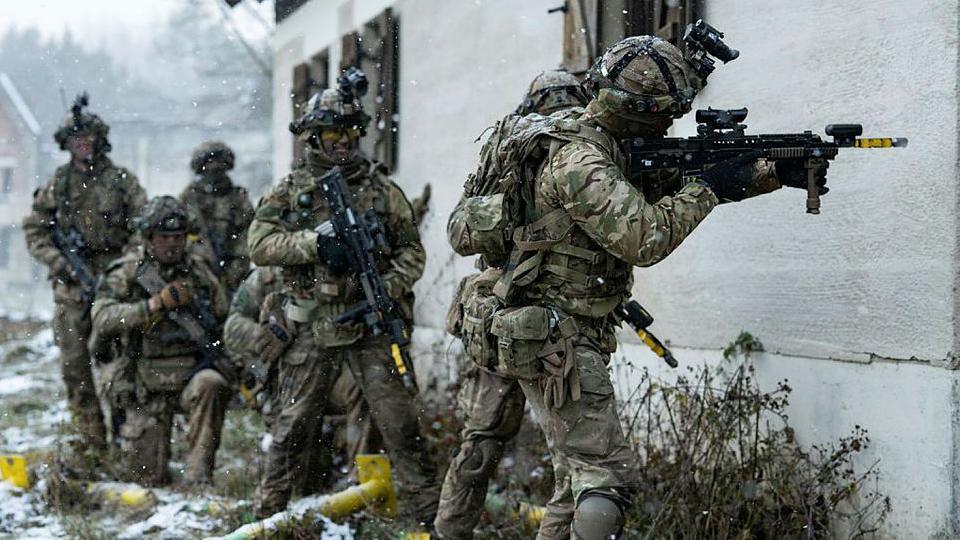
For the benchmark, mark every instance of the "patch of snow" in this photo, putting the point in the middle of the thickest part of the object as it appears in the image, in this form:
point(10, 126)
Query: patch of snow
point(17, 384)
point(23, 515)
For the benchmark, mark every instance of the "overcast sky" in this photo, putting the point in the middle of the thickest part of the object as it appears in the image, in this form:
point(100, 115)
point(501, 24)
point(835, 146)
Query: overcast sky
point(124, 27)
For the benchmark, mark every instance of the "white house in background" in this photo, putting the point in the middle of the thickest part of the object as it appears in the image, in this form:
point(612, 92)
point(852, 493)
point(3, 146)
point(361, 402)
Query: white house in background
point(22, 286)
point(857, 306)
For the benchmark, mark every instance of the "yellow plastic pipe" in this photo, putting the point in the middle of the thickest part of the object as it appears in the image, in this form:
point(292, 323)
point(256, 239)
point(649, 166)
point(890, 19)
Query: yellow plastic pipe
point(375, 490)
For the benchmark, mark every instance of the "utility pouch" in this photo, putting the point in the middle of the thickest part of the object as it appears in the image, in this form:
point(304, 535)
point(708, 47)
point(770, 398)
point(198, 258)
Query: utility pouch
point(521, 334)
point(484, 222)
point(477, 306)
point(164, 374)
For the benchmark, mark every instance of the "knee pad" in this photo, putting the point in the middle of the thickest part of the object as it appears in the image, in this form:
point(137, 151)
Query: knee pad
point(478, 458)
point(597, 518)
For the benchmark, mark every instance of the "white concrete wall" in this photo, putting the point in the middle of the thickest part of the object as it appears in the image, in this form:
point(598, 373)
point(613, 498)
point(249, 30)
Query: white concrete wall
point(874, 273)
point(869, 280)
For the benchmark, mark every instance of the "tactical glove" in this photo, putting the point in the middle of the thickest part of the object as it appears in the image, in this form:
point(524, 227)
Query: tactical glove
point(793, 173)
point(274, 336)
point(332, 252)
point(61, 270)
point(730, 178)
point(172, 296)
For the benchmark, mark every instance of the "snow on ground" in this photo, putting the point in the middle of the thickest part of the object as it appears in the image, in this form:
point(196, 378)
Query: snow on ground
point(34, 418)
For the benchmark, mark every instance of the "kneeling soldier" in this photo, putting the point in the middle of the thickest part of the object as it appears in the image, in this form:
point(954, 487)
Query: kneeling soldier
point(165, 308)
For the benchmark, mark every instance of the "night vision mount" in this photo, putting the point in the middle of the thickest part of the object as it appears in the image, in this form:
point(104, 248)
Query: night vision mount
point(704, 41)
point(353, 84)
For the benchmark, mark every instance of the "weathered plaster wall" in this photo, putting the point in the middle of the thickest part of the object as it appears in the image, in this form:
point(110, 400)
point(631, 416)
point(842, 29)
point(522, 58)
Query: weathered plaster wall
point(874, 273)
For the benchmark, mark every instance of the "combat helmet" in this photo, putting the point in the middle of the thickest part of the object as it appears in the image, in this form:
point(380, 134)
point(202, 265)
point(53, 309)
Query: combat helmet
point(551, 91)
point(645, 74)
point(209, 151)
point(164, 214)
point(79, 121)
point(335, 107)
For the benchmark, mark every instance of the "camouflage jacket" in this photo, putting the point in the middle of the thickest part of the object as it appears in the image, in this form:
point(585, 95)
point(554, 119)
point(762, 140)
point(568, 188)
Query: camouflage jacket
point(98, 203)
point(282, 235)
point(224, 213)
point(590, 225)
point(243, 323)
point(155, 344)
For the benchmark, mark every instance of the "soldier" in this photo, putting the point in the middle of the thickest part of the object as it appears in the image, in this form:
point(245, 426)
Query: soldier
point(91, 201)
point(224, 212)
point(165, 306)
point(254, 331)
point(318, 287)
point(492, 404)
point(581, 227)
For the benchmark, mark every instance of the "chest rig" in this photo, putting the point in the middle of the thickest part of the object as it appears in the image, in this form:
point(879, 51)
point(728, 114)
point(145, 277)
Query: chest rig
point(315, 292)
point(94, 205)
point(552, 260)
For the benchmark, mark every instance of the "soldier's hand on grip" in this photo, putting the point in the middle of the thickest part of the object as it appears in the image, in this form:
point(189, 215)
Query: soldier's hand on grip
point(729, 179)
point(793, 173)
point(332, 252)
point(172, 296)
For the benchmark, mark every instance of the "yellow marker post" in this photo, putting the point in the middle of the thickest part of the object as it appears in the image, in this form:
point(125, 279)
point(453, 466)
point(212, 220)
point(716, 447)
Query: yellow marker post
point(13, 469)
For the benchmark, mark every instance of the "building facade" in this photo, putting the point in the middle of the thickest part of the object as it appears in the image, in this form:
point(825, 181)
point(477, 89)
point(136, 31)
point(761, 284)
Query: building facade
point(22, 287)
point(857, 307)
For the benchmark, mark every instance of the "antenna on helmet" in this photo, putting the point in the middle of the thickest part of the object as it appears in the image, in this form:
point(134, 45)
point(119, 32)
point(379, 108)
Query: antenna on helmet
point(81, 101)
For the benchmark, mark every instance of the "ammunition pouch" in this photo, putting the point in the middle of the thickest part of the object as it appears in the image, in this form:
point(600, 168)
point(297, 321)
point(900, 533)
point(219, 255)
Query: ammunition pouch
point(533, 342)
point(165, 374)
point(328, 333)
point(471, 318)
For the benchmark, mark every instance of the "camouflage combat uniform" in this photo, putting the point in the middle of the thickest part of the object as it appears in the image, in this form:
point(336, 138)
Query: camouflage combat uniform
point(224, 213)
point(97, 203)
point(492, 404)
point(281, 234)
point(150, 381)
point(164, 312)
point(579, 226)
point(240, 333)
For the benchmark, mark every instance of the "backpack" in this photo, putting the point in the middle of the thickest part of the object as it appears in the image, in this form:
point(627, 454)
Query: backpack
point(496, 195)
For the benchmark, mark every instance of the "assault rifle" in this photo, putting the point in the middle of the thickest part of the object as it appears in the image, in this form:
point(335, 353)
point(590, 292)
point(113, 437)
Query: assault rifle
point(362, 234)
point(72, 246)
point(720, 136)
point(640, 319)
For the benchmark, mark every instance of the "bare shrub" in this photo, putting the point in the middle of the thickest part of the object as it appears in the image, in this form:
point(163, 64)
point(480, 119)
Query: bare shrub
point(720, 461)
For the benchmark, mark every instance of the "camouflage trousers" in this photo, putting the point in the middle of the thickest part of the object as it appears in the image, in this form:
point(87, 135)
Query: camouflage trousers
point(145, 432)
point(493, 408)
point(353, 434)
point(585, 435)
point(305, 378)
point(71, 330)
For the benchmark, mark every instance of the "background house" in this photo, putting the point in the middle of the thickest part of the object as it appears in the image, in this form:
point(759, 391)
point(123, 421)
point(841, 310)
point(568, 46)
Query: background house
point(20, 156)
point(857, 307)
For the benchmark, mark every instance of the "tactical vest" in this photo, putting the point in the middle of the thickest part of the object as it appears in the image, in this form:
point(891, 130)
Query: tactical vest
point(220, 213)
point(316, 295)
point(96, 206)
point(164, 354)
point(552, 261)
